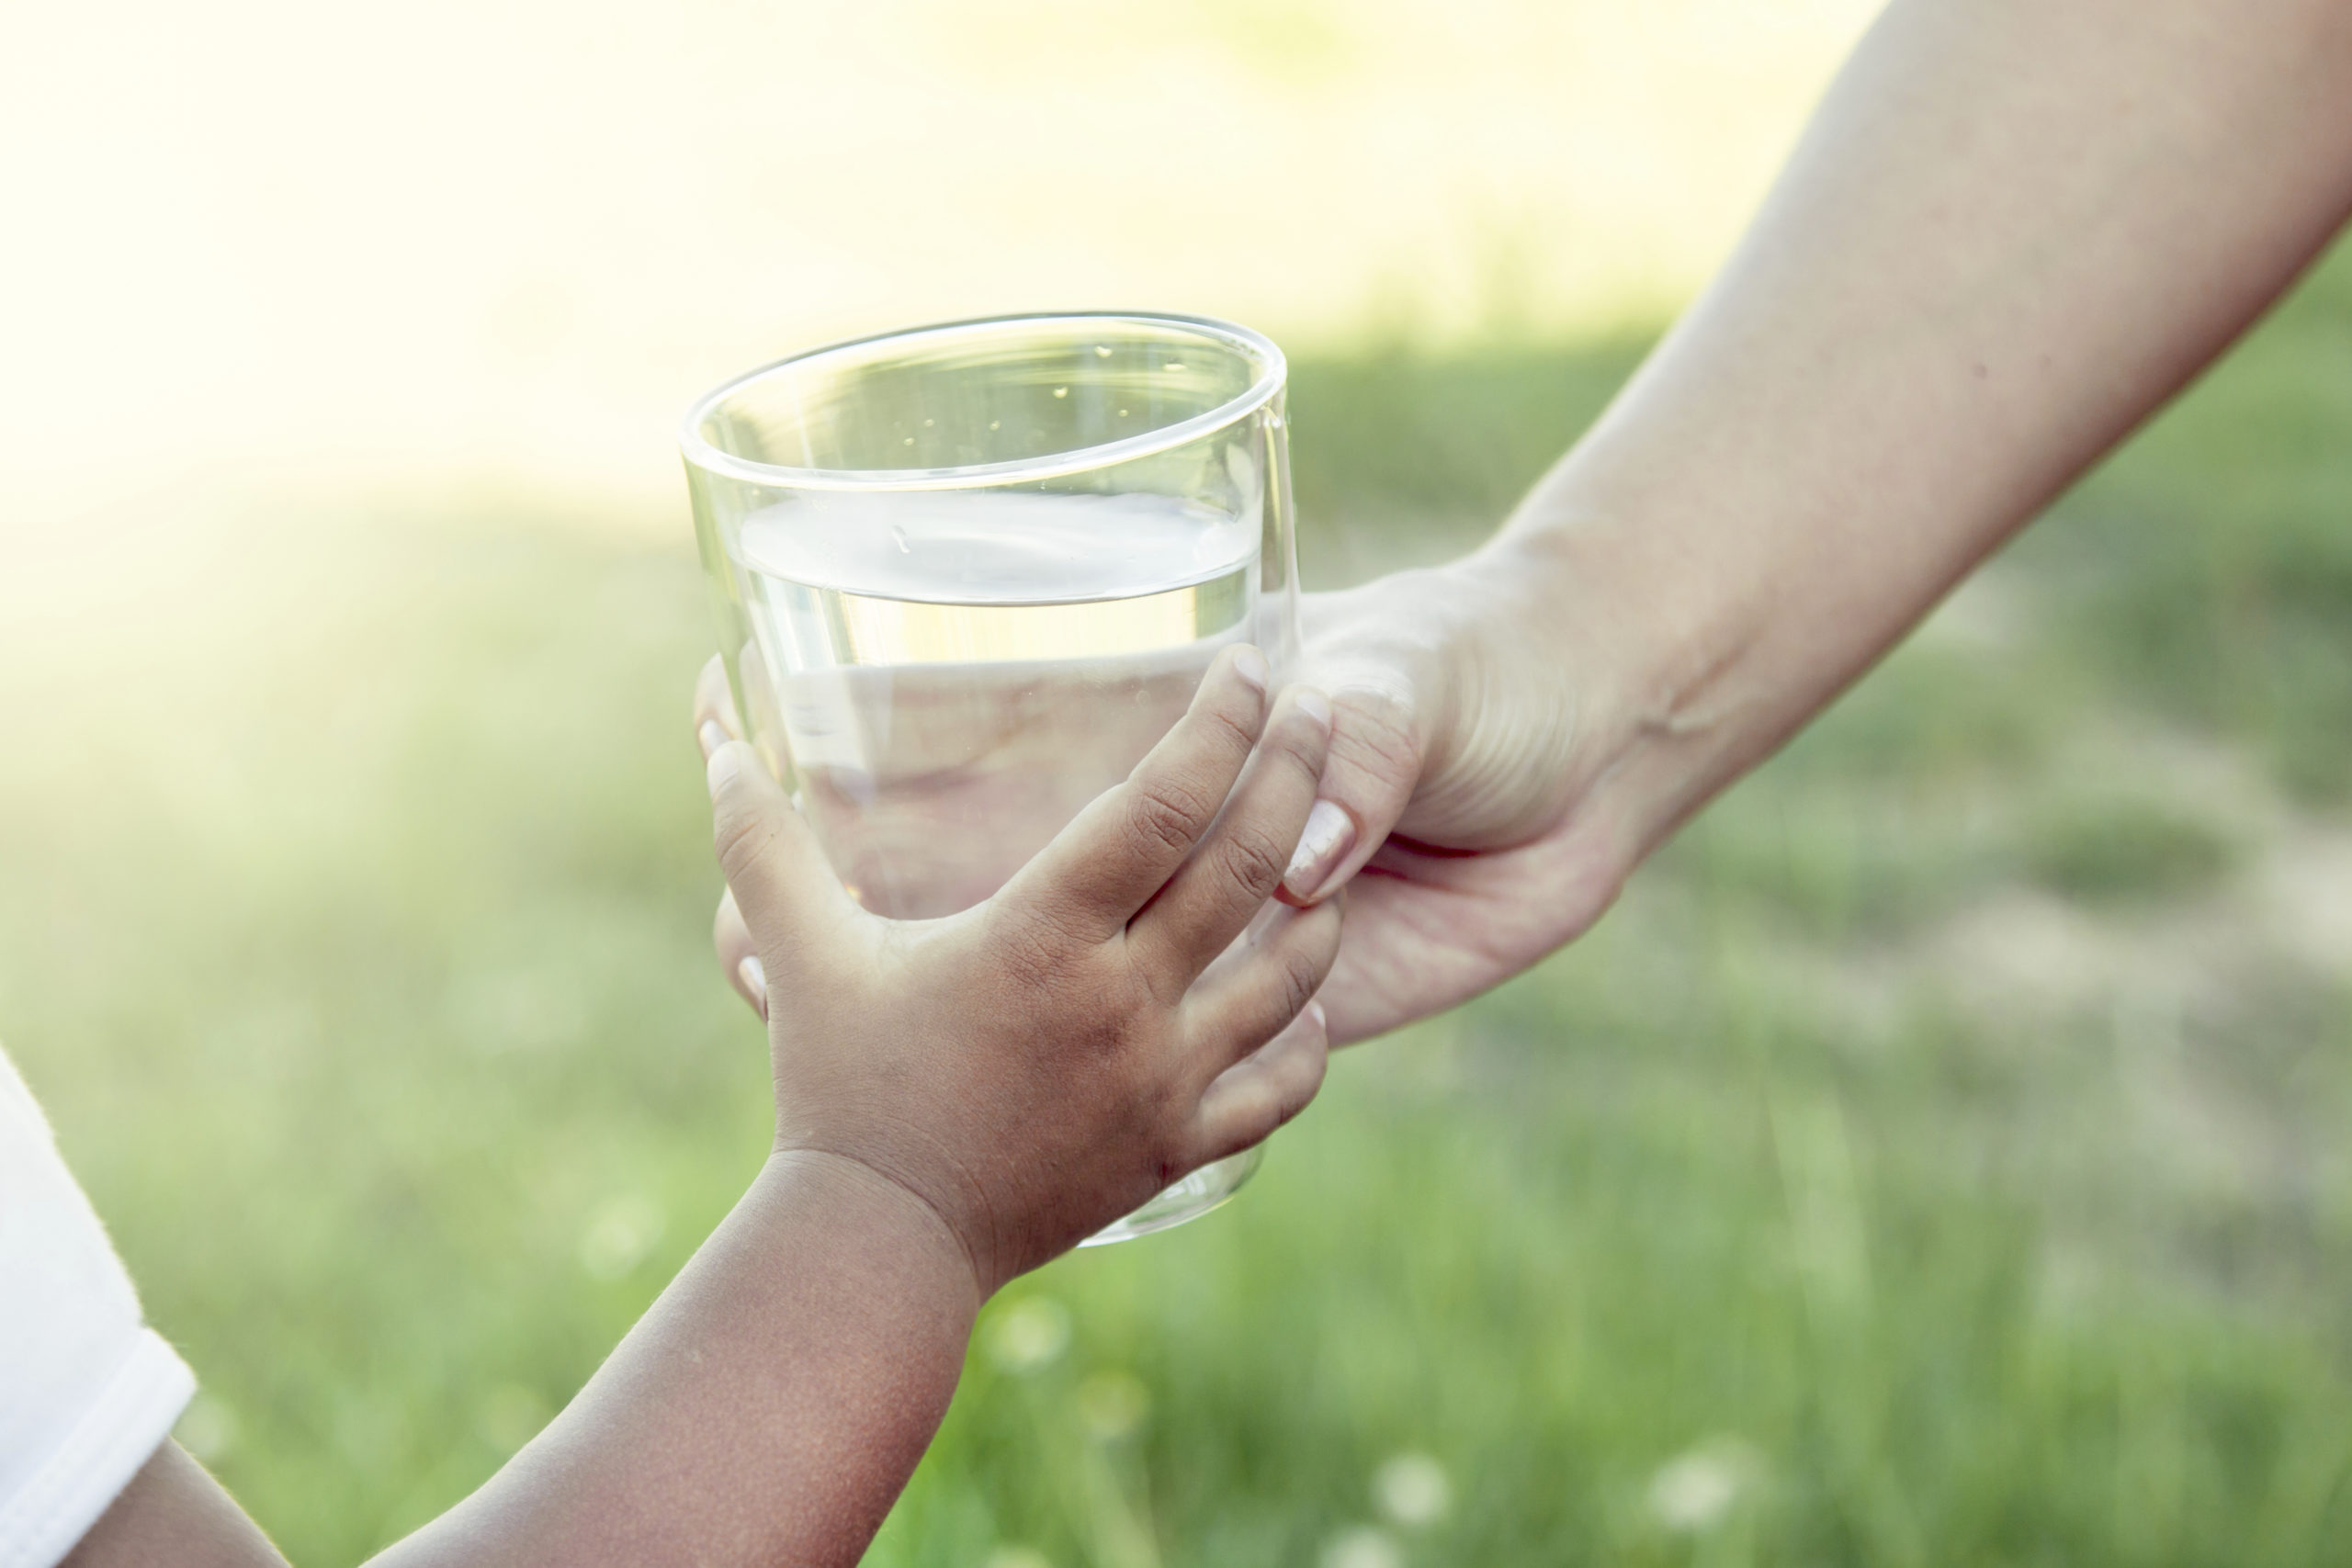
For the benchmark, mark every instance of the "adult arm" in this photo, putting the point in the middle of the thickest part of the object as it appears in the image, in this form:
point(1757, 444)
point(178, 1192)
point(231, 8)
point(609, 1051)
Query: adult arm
point(2012, 231)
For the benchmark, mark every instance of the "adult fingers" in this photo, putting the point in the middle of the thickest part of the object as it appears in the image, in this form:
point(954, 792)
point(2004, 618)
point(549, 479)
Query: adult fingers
point(1255, 993)
point(738, 955)
point(785, 892)
point(1123, 848)
point(1376, 678)
point(1258, 1094)
point(1237, 865)
point(1368, 781)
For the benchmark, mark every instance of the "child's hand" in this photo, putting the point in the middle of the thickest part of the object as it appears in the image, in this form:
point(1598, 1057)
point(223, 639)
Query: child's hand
point(1037, 1066)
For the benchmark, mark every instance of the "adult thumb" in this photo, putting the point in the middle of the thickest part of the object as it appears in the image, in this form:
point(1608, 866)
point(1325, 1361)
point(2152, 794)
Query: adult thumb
point(1368, 779)
point(771, 860)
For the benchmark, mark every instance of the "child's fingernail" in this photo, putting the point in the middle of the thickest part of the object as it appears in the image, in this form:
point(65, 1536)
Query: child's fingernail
point(1316, 1017)
point(724, 764)
point(1251, 665)
point(755, 980)
point(1315, 706)
point(712, 736)
point(1329, 832)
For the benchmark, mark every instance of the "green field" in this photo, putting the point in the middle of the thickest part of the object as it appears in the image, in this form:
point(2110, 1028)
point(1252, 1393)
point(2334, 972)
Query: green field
point(1939, 1156)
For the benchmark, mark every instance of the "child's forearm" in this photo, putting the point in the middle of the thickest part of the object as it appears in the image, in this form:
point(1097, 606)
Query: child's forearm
point(768, 1408)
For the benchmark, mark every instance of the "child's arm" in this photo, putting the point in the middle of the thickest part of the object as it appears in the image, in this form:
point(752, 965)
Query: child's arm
point(958, 1100)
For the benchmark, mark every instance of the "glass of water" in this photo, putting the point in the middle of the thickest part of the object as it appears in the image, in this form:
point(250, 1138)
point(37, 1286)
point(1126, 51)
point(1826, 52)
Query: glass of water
point(967, 575)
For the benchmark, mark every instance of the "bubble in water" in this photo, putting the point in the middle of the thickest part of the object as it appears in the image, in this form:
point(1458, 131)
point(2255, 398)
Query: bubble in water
point(1061, 391)
point(1173, 365)
point(994, 422)
point(899, 538)
point(1100, 352)
point(1122, 413)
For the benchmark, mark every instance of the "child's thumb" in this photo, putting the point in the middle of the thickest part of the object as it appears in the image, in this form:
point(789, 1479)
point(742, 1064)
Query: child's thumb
point(771, 860)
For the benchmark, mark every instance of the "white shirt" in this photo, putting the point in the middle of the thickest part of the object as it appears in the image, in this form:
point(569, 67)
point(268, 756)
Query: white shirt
point(86, 1390)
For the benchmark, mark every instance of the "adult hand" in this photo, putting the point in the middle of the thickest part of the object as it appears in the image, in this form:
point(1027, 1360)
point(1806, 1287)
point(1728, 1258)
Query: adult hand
point(1459, 807)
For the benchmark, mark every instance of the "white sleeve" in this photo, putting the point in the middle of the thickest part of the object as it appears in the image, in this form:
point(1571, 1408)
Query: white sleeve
point(86, 1390)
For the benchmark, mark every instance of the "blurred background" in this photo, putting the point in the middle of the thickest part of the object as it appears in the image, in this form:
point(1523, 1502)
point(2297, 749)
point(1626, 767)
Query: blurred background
point(1939, 1156)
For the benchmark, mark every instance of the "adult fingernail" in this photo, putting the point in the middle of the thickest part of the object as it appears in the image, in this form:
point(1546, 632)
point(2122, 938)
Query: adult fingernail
point(754, 976)
point(712, 736)
point(1251, 665)
point(1315, 706)
point(1316, 1016)
point(1329, 832)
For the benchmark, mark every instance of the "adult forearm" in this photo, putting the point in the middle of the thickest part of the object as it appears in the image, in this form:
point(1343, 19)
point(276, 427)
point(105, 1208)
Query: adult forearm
point(768, 1409)
point(2014, 228)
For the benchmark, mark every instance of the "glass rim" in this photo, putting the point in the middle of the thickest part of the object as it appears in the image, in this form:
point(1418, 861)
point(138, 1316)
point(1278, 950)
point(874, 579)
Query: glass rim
point(1230, 335)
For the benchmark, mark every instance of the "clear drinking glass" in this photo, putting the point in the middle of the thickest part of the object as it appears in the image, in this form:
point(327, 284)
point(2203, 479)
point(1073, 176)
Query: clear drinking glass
point(967, 575)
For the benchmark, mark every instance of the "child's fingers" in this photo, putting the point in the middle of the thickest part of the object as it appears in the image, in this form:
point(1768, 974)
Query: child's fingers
point(714, 708)
point(1099, 871)
point(1240, 863)
point(1256, 991)
point(783, 887)
point(1258, 1094)
point(738, 955)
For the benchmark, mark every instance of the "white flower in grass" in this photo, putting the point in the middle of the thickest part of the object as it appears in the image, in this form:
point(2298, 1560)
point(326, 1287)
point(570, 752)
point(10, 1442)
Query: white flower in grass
point(1412, 1490)
point(208, 1429)
point(1112, 1404)
point(1364, 1547)
point(1017, 1557)
point(1694, 1491)
point(1029, 1334)
point(620, 1234)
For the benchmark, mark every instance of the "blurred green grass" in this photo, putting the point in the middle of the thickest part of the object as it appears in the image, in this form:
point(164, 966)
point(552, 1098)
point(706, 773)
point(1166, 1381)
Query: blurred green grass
point(1937, 1156)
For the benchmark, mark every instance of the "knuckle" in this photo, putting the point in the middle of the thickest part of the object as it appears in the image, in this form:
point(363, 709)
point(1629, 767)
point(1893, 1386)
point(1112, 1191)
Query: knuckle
point(1371, 731)
point(1234, 732)
point(1254, 859)
point(1033, 950)
point(1304, 746)
point(1164, 814)
point(1098, 1038)
point(1301, 976)
point(741, 837)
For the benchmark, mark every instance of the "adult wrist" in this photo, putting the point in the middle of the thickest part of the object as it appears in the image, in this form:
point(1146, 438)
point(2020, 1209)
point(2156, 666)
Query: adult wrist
point(1649, 630)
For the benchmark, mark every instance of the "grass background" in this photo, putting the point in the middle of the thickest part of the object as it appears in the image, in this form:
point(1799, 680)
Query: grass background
point(1939, 1156)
